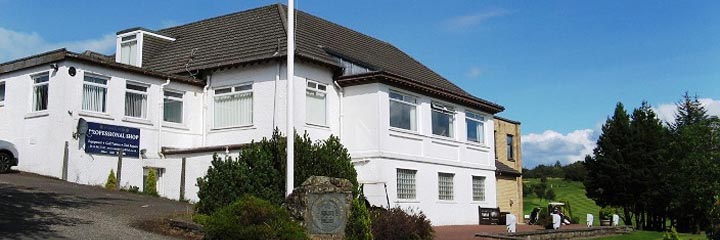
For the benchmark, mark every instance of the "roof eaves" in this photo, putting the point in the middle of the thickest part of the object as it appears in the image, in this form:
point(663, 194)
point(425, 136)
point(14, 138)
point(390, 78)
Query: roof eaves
point(404, 82)
point(507, 120)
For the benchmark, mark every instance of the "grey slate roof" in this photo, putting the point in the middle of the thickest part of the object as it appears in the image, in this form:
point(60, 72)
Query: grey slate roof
point(505, 169)
point(260, 34)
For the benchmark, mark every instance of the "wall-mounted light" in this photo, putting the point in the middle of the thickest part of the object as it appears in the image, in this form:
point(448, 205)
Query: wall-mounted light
point(54, 66)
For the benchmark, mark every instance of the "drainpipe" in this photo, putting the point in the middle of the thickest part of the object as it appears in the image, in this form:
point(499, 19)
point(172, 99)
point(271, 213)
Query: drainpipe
point(204, 110)
point(341, 91)
point(161, 115)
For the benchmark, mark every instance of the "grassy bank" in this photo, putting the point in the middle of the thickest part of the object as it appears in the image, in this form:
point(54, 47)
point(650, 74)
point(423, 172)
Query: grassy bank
point(567, 191)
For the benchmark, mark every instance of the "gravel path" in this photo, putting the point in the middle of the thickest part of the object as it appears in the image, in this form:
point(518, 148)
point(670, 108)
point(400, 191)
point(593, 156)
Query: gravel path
point(38, 207)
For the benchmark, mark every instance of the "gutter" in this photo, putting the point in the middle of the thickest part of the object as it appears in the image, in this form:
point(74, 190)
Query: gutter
point(341, 92)
point(205, 107)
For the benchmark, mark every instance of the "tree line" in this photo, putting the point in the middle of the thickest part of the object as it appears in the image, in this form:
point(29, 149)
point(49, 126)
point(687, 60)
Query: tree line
point(574, 171)
point(658, 173)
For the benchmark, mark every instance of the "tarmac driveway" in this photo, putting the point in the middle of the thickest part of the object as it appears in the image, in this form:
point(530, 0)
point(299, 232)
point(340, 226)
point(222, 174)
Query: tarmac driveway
point(38, 207)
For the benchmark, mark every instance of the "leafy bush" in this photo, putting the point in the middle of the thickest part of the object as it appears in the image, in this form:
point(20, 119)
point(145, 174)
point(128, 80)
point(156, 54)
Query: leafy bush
point(150, 185)
point(252, 218)
point(550, 194)
point(606, 213)
point(111, 183)
point(359, 224)
point(672, 235)
point(201, 219)
point(260, 170)
point(527, 189)
point(397, 224)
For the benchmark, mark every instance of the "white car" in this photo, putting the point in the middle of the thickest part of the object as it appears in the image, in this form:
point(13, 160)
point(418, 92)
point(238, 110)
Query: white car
point(8, 156)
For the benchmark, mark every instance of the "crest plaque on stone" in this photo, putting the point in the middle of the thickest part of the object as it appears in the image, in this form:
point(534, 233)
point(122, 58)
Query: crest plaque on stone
point(327, 213)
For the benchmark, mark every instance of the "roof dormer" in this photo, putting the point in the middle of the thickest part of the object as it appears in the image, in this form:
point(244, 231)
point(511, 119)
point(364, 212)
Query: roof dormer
point(136, 45)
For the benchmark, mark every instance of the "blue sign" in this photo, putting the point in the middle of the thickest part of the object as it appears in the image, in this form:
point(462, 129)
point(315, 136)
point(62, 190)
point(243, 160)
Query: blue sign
point(110, 139)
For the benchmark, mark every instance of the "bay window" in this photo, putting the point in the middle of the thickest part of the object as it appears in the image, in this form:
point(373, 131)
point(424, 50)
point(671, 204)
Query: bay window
point(475, 127)
point(403, 111)
point(173, 107)
point(234, 106)
point(443, 117)
point(136, 100)
point(94, 94)
point(315, 103)
point(40, 92)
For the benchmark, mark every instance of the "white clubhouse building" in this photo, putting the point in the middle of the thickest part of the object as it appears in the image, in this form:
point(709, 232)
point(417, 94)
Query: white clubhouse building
point(416, 139)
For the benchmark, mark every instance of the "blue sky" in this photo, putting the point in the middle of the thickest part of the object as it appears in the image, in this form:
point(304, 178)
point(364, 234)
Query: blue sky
point(559, 67)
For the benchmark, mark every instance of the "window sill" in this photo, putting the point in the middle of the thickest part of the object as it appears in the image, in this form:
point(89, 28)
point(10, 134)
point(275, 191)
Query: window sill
point(407, 201)
point(310, 125)
point(173, 125)
point(137, 120)
point(402, 130)
point(447, 202)
point(2, 104)
point(479, 202)
point(441, 137)
point(225, 129)
point(96, 115)
point(37, 114)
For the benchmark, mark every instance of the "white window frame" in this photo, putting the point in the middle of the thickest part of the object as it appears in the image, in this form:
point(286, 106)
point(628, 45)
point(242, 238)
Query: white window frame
point(316, 88)
point(130, 39)
point(144, 109)
point(446, 191)
point(479, 191)
point(104, 86)
point(446, 109)
point(174, 98)
point(33, 103)
point(411, 192)
point(480, 119)
point(238, 89)
point(409, 100)
point(4, 93)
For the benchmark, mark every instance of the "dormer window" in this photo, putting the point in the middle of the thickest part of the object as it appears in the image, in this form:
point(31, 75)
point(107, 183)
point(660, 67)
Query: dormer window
point(351, 68)
point(128, 50)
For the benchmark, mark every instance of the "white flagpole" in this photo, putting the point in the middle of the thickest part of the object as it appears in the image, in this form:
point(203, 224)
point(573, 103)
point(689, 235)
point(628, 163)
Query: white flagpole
point(290, 133)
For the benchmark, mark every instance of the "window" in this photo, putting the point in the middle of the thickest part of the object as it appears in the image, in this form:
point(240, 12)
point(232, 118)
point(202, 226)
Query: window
point(510, 147)
point(478, 188)
point(406, 183)
point(2, 92)
point(403, 111)
point(128, 50)
point(136, 100)
point(442, 119)
point(94, 94)
point(40, 92)
point(315, 106)
point(234, 106)
point(173, 107)
point(445, 186)
point(475, 127)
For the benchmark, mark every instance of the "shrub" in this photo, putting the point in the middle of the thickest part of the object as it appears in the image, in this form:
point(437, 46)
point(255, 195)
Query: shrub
point(359, 224)
point(672, 235)
point(395, 223)
point(550, 194)
point(260, 170)
point(606, 213)
point(252, 218)
point(527, 189)
point(111, 183)
point(150, 185)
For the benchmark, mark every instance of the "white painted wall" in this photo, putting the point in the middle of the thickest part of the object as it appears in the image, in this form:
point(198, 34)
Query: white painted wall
point(377, 150)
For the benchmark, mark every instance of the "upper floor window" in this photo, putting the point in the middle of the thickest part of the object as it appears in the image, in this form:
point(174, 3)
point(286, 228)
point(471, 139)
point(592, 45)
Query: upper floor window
point(173, 107)
point(40, 88)
point(403, 111)
point(136, 100)
point(445, 186)
point(315, 103)
point(2, 92)
point(475, 127)
point(443, 117)
point(406, 183)
point(234, 106)
point(128, 50)
point(510, 152)
point(94, 94)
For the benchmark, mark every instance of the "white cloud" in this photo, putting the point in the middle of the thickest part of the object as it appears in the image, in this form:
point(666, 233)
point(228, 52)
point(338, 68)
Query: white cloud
point(551, 146)
point(15, 44)
point(467, 21)
point(474, 72)
point(666, 112)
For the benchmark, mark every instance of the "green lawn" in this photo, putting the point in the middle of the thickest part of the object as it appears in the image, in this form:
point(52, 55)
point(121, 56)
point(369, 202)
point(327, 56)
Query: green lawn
point(564, 190)
point(651, 235)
